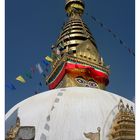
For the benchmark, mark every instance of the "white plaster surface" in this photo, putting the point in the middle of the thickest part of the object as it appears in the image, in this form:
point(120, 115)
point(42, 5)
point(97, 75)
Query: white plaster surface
point(65, 114)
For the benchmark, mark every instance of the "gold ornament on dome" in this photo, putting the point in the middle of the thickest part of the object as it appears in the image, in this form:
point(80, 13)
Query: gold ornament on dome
point(20, 132)
point(11, 135)
point(123, 126)
point(93, 136)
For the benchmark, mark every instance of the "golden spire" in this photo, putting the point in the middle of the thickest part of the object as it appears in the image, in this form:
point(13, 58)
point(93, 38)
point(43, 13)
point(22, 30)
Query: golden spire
point(76, 59)
point(74, 31)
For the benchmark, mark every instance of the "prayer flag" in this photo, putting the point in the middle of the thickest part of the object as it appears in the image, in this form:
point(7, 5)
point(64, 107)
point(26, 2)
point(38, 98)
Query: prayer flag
point(44, 62)
point(121, 42)
point(32, 69)
point(44, 75)
point(114, 35)
point(40, 84)
point(28, 74)
point(57, 51)
point(108, 66)
point(46, 69)
point(20, 79)
point(101, 24)
point(48, 59)
point(39, 68)
point(10, 86)
point(109, 30)
point(93, 18)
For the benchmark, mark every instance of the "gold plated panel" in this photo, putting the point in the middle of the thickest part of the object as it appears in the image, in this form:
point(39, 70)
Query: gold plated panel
point(88, 51)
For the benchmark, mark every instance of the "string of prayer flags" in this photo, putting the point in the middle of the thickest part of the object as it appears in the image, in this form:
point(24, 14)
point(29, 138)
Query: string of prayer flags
point(39, 68)
point(98, 22)
point(43, 70)
point(48, 59)
point(20, 79)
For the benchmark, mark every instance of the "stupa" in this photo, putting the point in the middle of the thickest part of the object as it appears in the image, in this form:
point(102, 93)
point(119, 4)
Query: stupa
point(76, 107)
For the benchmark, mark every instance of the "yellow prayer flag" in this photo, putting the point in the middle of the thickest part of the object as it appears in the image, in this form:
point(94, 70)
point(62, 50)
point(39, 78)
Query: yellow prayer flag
point(21, 79)
point(48, 59)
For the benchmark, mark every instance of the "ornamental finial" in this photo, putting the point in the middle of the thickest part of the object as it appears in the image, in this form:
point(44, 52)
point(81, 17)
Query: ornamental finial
point(74, 6)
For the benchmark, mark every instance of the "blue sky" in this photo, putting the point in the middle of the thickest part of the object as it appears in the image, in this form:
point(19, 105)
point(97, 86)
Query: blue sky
point(32, 26)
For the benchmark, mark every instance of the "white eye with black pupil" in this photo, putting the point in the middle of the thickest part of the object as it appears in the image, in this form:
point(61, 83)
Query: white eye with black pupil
point(80, 80)
point(92, 84)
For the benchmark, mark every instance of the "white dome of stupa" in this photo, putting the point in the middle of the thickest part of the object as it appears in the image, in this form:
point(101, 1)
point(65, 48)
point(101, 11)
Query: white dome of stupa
point(67, 113)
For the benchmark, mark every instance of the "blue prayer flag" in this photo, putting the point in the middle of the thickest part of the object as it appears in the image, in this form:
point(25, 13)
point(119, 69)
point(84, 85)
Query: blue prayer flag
point(10, 86)
point(44, 62)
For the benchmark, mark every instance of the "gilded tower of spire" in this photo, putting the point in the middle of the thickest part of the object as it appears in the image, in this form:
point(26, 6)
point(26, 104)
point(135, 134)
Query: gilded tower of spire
point(76, 59)
point(123, 126)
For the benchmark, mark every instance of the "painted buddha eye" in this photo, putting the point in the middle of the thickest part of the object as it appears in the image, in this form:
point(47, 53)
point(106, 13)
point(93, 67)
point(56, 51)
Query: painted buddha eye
point(93, 84)
point(80, 80)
